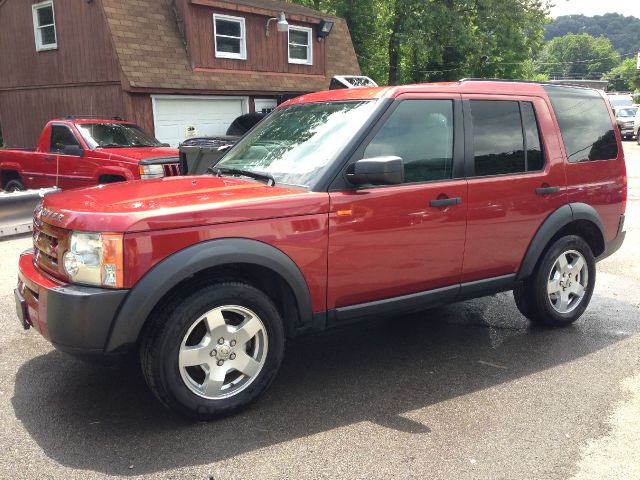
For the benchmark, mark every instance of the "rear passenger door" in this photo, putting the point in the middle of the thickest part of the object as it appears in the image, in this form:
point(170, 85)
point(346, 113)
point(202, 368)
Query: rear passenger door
point(516, 179)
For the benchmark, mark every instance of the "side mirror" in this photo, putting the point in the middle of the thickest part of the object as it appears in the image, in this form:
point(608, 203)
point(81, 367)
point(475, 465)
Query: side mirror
point(376, 171)
point(73, 150)
point(165, 145)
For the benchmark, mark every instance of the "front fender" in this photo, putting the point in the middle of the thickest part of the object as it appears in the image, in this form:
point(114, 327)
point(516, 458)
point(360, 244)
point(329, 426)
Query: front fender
point(121, 172)
point(156, 283)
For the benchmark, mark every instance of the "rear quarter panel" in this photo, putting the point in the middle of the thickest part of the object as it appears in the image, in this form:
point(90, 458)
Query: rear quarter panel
point(600, 183)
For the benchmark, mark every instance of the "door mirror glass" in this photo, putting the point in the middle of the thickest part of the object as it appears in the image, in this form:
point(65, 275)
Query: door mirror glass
point(376, 171)
point(73, 150)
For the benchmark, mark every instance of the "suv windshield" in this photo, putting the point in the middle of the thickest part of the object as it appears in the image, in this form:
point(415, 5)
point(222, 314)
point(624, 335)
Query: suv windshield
point(294, 144)
point(115, 135)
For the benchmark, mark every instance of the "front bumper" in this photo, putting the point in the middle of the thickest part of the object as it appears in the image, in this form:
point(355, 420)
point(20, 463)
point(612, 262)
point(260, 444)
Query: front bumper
point(74, 318)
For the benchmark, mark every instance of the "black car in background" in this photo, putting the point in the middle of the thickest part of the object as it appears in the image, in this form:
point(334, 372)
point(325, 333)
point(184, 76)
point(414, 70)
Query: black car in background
point(199, 153)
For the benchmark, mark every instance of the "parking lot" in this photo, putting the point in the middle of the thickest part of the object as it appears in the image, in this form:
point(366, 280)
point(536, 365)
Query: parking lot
point(467, 391)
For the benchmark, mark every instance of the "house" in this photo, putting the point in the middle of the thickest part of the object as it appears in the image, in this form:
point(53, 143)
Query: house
point(178, 68)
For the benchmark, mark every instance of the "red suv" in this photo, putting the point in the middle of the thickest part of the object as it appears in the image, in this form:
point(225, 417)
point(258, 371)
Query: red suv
point(340, 206)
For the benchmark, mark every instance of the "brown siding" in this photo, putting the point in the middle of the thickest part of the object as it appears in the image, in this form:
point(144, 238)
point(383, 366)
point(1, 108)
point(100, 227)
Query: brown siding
point(25, 112)
point(140, 110)
point(264, 54)
point(85, 51)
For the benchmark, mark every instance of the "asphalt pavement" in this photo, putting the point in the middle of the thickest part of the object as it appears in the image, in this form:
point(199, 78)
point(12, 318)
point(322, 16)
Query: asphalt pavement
point(467, 391)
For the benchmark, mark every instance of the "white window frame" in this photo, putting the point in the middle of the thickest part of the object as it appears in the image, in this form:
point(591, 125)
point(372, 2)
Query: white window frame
point(309, 32)
point(37, 27)
point(243, 37)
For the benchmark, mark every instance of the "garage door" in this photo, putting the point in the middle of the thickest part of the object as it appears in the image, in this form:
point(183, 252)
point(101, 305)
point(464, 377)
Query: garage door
point(178, 117)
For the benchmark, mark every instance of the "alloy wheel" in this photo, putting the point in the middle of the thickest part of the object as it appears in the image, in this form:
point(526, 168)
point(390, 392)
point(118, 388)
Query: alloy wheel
point(223, 352)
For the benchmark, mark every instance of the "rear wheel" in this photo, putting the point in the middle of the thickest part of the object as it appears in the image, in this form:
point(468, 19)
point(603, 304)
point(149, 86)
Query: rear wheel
point(214, 352)
point(14, 185)
point(560, 288)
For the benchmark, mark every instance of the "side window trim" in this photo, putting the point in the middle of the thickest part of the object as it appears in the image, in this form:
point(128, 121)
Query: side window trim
point(341, 184)
point(51, 150)
point(469, 153)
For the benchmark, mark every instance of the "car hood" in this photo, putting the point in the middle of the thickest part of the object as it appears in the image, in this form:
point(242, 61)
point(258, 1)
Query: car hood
point(177, 202)
point(139, 153)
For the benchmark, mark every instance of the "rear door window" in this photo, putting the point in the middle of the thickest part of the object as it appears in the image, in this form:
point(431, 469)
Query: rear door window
point(586, 127)
point(506, 139)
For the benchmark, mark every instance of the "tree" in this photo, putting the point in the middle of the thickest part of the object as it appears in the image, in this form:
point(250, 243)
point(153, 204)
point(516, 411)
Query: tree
point(624, 77)
point(408, 41)
point(577, 56)
point(623, 32)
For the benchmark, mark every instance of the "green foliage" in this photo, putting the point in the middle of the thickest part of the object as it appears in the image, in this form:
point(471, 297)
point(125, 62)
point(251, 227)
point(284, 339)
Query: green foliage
point(577, 56)
point(624, 77)
point(623, 32)
point(408, 41)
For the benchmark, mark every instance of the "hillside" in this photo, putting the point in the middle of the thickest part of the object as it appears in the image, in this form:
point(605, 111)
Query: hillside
point(622, 31)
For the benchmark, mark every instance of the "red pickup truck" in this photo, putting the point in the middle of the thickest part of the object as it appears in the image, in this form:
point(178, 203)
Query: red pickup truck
point(79, 152)
point(339, 206)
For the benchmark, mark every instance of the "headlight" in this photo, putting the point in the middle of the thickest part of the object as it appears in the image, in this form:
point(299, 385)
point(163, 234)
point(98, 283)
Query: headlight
point(95, 259)
point(151, 171)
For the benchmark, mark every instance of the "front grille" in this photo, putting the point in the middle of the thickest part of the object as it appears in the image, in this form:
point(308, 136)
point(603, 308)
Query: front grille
point(171, 169)
point(49, 244)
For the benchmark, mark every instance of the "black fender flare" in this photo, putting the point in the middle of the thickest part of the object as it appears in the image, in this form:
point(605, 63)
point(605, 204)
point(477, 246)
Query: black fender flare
point(552, 225)
point(157, 282)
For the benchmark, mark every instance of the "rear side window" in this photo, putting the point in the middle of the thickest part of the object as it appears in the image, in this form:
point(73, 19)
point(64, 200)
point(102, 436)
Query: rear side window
point(421, 133)
point(506, 139)
point(585, 125)
point(61, 137)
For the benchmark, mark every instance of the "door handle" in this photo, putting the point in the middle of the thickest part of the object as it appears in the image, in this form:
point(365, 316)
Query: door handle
point(49, 158)
point(443, 202)
point(547, 190)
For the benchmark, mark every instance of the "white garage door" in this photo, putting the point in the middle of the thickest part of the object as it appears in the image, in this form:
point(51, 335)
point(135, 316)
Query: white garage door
point(178, 117)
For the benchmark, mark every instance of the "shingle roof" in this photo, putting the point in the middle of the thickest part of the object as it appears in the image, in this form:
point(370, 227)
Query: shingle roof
point(152, 53)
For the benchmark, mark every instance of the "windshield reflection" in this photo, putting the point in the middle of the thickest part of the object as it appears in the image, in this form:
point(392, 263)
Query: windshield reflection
point(294, 144)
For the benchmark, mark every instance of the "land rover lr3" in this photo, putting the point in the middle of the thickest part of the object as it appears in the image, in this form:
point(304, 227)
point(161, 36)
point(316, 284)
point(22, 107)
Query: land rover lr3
point(341, 205)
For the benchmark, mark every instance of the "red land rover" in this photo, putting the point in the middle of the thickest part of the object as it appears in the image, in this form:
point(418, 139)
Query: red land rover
point(80, 152)
point(341, 205)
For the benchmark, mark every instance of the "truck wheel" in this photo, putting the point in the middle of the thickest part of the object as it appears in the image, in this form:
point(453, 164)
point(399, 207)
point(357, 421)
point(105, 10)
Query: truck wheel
point(560, 288)
point(214, 352)
point(14, 185)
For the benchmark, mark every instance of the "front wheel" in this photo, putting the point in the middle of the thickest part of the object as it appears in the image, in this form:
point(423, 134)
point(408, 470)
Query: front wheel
point(214, 352)
point(560, 288)
point(14, 185)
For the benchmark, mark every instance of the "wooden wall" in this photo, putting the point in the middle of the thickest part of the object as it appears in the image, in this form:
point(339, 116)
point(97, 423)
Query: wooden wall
point(264, 54)
point(139, 110)
point(85, 51)
point(24, 112)
point(82, 76)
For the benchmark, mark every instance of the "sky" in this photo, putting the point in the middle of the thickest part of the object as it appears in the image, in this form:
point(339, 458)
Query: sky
point(595, 7)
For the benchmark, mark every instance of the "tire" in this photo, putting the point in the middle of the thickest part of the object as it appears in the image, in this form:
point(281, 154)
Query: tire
point(558, 292)
point(225, 323)
point(14, 185)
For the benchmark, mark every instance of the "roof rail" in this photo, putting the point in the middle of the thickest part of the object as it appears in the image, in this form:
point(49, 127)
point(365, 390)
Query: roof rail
point(510, 80)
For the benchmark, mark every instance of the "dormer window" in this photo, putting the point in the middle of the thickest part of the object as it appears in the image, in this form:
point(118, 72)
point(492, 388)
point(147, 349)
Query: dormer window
point(44, 26)
point(300, 45)
point(230, 38)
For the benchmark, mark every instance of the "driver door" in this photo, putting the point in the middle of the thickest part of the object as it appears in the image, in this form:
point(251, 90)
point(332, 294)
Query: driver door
point(387, 242)
point(66, 171)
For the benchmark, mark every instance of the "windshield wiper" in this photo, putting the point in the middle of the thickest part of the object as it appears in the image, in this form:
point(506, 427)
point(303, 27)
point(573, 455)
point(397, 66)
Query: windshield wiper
point(219, 171)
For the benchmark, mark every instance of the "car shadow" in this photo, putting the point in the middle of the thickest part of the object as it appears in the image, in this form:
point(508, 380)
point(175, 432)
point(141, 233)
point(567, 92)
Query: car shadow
point(105, 419)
